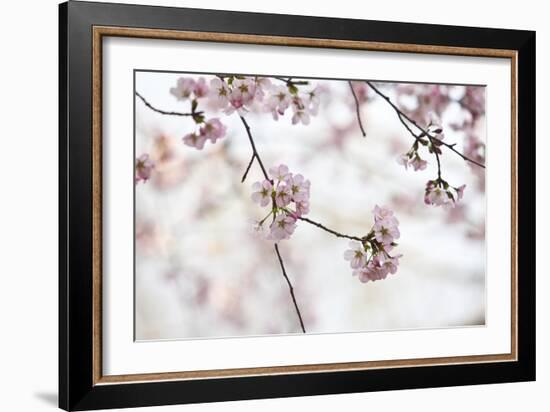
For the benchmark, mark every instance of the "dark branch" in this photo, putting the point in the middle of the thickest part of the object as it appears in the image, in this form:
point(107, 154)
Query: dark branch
point(256, 156)
point(163, 111)
point(326, 229)
point(254, 151)
point(357, 109)
point(248, 167)
point(402, 117)
point(291, 82)
point(290, 288)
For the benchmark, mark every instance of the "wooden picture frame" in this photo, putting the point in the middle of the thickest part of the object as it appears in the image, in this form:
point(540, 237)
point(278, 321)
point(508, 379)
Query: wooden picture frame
point(82, 385)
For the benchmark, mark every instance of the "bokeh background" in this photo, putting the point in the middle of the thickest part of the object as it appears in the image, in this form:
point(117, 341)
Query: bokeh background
point(199, 272)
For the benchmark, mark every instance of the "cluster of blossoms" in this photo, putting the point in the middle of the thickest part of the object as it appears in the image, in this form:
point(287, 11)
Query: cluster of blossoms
point(440, 193)
point(189, 89)
point(144, 168)
point(287, 195)
point(412, 157)
point(245, 94)
point(370, 259)
point(421, 101)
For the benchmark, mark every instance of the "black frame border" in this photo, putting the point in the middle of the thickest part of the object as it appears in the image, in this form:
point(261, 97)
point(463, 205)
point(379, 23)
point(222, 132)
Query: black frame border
point(76, 387)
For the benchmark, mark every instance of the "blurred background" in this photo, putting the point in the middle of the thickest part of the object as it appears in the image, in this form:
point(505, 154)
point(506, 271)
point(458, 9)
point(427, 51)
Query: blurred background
point(199, 272)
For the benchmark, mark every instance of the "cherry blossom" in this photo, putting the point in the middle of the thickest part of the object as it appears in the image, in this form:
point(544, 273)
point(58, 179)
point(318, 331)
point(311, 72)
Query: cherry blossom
point(184, 87)
point(262, 192)
point(283, 195)
point(356, 255)
point(287, 195)
point(299, 187)
point(282, 227)
point(439, 193)
point(195, 140)
point(312, 100)
point(301, 114)
point(370, 257)
point(213, 130)
point(219, 92)
point(200, 88)
point(278, 101)
point(413, 160)
point(302, 208)
point(144, 168)
point(279, 173)
point(378, 268)
point(386, 231)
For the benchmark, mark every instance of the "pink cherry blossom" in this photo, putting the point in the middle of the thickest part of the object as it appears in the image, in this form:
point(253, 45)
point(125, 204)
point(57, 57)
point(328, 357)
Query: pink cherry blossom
point(418, 164)
point(200, 88)
point(437, 196)
point(299, 187)
point(372, 272)
point(282, 227)
point(195, 140)
point(242, 93)
point(403, 160)
point(391, 263)
point(236, 103)
point(312, 100)
point(438, 193)
point(213, 130)
point(278, 101)
point(219, 92)
point(279, 173)
point(246, 87)
point(382, 213)
point(386, 231)
point(184, 87)
point(283, 196)
point(302, 208)
point(413, 160)
point(300, 116)
point(144, 168)
point(261, 85)
point(356, 255)
point(262, 192)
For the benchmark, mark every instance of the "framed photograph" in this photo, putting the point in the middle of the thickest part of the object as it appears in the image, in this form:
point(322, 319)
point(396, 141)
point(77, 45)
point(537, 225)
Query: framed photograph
point(257, 205)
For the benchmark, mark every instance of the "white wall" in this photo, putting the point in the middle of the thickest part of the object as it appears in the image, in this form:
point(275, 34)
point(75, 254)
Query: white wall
point(28, 202)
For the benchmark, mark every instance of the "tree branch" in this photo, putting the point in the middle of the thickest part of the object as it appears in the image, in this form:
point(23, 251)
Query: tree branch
point(290, 288)
point(357, 109)
point(402, 117)
point(254, 151)
point(150, 106)
point(248, 167)
point(291, 82)
point(256, 156)
point(326, 229)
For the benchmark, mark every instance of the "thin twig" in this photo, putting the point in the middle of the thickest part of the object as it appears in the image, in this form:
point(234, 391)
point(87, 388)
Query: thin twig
point(290, 288)
point(150, 106)
point(403, 116)
point(331, 231)
point(289, 81)
point(357, 109)
point(254, 151)
point(248, 167)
